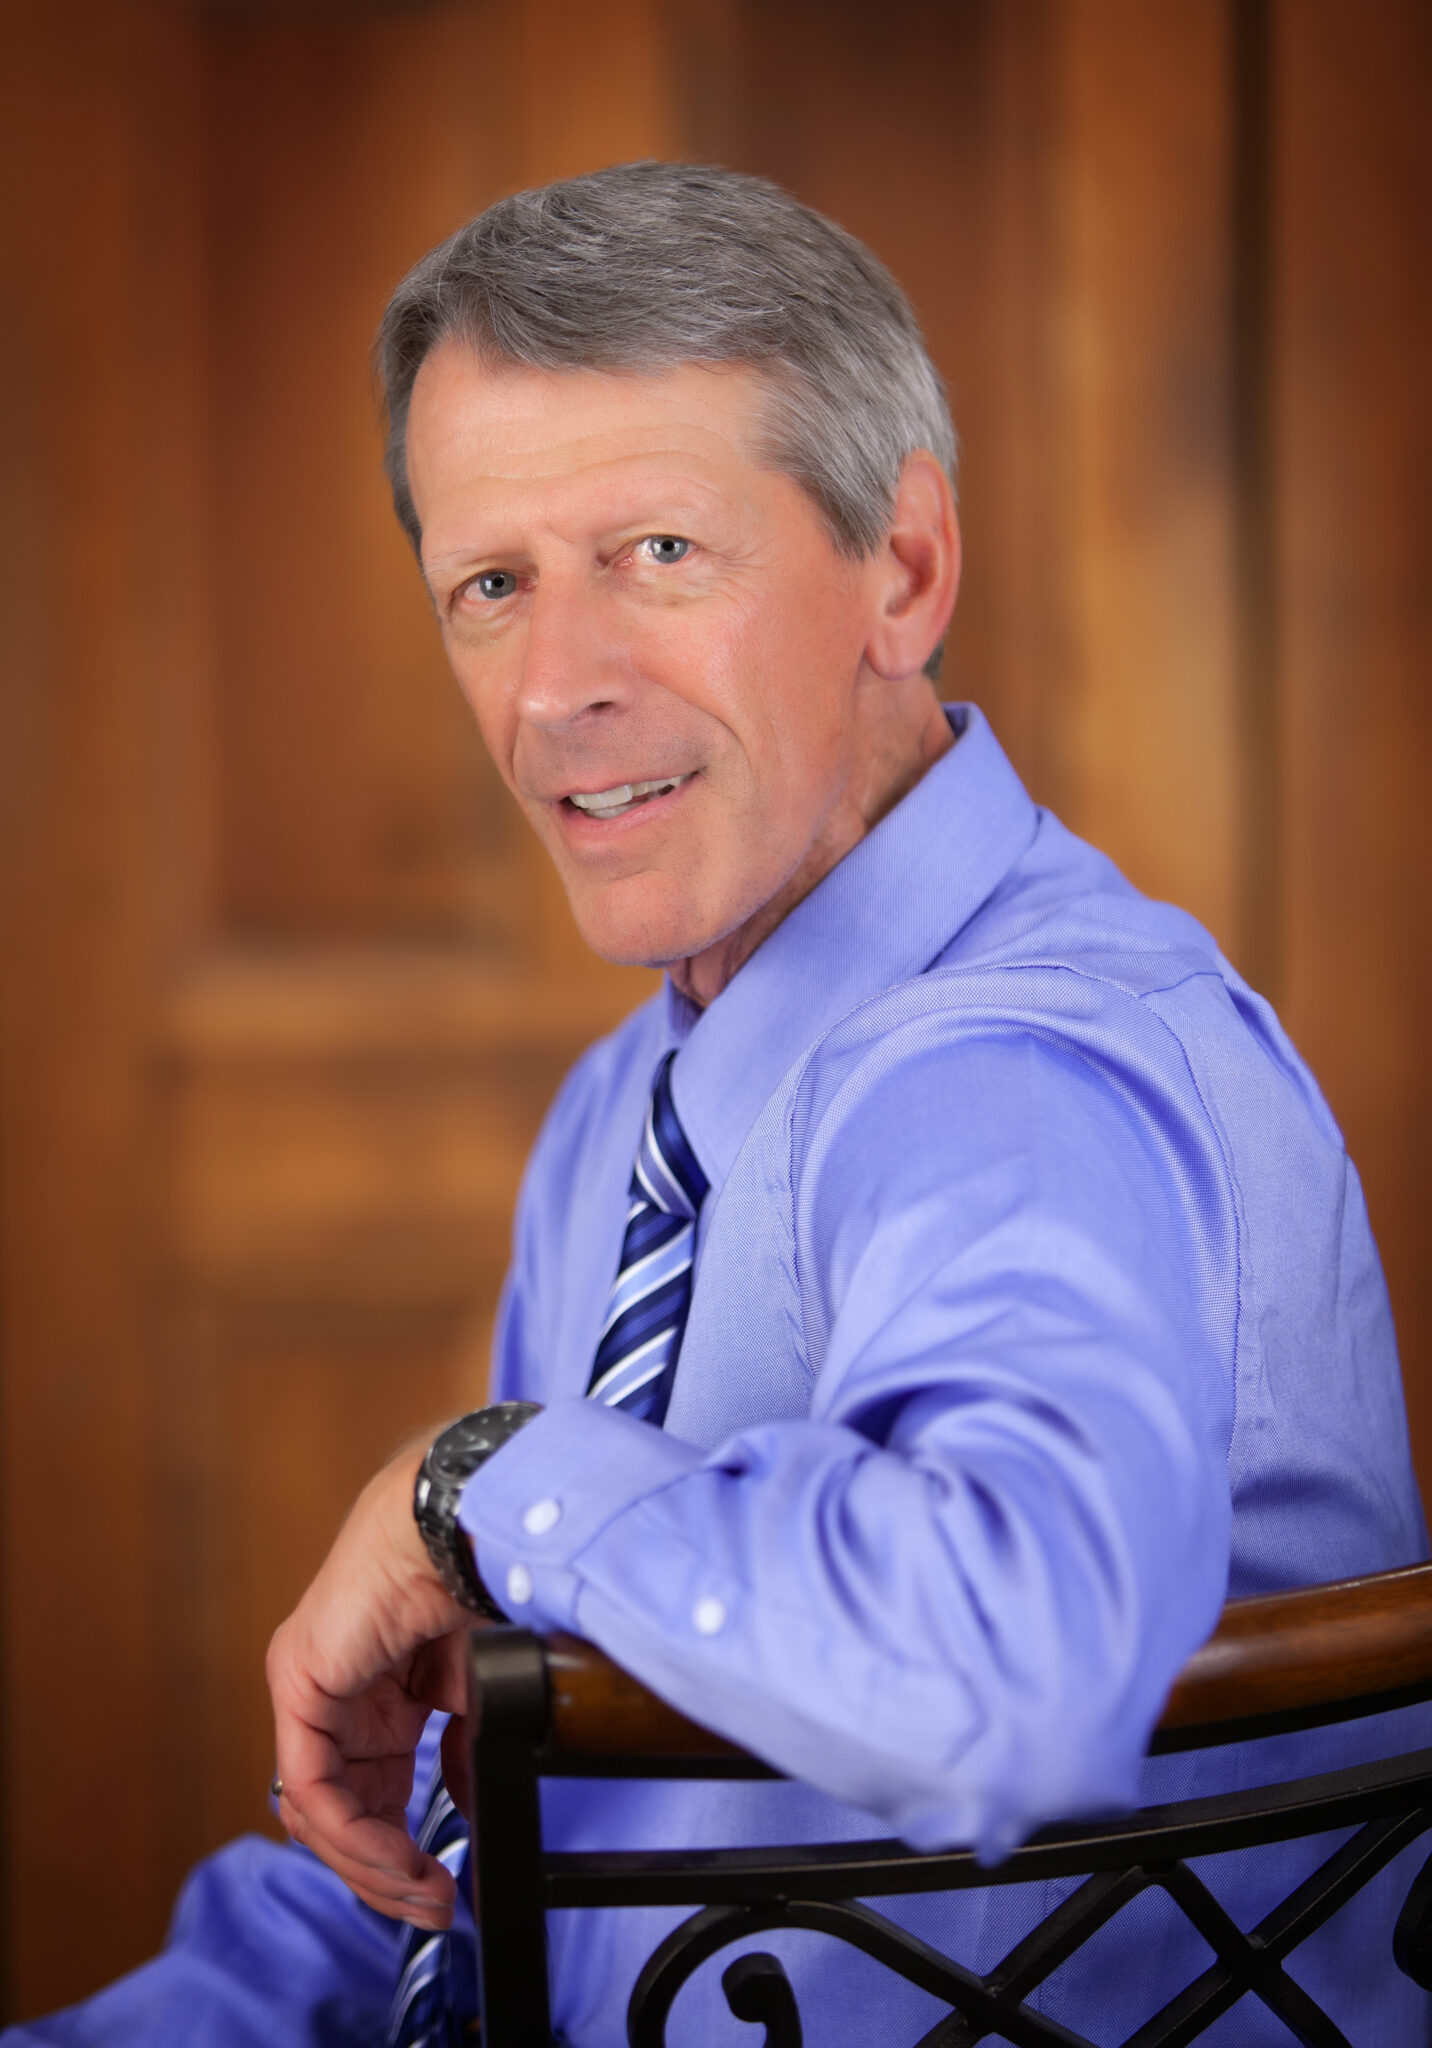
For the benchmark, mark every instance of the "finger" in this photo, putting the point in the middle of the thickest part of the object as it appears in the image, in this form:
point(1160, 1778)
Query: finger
point(378, 1855)
point(336, 1783)
point(417, 1908)
point(387, 1868)
point(456, 1766)
point(320, 1737)
point(399, 1901)
point(328, 1819)
point(432, 1919)
point(437, 1675)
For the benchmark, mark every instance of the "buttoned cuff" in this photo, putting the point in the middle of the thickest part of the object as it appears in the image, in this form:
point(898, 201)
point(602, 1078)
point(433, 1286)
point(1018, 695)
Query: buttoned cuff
point(537, 1503)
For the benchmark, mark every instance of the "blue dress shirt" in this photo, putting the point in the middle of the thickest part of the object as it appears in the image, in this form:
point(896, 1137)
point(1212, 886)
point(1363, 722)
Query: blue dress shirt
point(1036, 1312)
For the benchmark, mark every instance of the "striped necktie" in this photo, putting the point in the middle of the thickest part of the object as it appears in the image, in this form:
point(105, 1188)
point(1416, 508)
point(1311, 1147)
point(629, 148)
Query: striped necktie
point(636, 1354)
point(634, 1367)
point(424, 2012)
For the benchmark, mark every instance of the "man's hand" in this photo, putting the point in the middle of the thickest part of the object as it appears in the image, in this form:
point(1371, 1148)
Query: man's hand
point(375, 1644)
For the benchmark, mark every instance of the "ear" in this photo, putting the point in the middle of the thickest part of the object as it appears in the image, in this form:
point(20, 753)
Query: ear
point(916, 574)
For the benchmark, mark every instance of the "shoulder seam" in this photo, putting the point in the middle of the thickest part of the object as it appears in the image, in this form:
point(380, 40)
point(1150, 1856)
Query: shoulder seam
point(1139, 999)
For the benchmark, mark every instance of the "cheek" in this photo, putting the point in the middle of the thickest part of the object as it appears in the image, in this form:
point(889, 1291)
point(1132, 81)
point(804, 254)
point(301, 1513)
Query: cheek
point(799, 663)
point(480, 677)
point(761, 662)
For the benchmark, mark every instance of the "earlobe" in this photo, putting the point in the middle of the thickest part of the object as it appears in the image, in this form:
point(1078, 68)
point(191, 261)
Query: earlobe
point(918, 571)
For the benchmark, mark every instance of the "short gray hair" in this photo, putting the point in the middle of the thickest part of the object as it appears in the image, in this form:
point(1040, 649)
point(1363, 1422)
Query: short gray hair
point(647, 266)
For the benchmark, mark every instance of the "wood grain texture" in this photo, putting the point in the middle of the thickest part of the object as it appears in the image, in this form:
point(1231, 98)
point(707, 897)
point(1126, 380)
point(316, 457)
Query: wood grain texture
point(1050, 182)
point(599, 1710)
point(1320, 1646)
point(1352, 316)
point(354, 798)
point(273, 1416)
point(372, 1175)
point(931, 142)
point(1145, 717)
point(98, 151)
point(255, 1205)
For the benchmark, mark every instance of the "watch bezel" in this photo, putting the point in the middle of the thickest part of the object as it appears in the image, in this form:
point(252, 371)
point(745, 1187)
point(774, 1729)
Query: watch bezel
point(451, 1459)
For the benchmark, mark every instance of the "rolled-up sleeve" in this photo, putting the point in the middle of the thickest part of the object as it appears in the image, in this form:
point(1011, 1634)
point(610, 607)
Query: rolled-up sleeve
point(956, 1594)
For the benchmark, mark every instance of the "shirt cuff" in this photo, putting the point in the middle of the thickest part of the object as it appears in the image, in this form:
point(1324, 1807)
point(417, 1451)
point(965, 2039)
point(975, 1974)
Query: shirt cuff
point(538, 1502)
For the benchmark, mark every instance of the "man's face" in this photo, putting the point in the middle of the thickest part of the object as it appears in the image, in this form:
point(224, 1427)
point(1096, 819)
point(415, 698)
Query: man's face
point(662, 645)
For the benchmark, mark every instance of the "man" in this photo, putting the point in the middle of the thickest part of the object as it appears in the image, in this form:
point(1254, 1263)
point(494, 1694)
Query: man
point(927, 1310)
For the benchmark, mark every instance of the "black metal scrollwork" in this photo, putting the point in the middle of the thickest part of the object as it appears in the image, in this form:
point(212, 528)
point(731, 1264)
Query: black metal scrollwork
point(757, 1989)
point(1244, 1963)
point(743, 1893)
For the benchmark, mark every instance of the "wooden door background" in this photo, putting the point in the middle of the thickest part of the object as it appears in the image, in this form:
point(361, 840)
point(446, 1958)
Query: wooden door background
point(285, 988)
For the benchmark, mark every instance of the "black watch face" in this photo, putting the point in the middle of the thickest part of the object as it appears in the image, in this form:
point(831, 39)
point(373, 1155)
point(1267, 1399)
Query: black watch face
point(470, 1442)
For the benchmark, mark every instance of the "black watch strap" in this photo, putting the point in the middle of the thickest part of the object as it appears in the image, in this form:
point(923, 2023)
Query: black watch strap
point(463, 1446)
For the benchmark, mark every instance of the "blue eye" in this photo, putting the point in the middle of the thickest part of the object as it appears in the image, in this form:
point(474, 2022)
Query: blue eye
point(666, 547)
point(494, 583)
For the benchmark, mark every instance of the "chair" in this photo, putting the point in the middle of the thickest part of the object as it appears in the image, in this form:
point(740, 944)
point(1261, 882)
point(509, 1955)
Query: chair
point(555, 1706)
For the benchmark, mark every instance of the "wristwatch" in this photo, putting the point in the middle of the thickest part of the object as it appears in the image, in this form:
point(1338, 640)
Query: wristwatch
point(463, 1446)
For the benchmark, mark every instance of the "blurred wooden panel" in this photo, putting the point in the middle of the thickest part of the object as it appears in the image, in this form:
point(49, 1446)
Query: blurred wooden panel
point(1050, 181)
point(101, 604)
point(1147, 716)
point(354, 795)
point(1353, 337)
point(342, 1134)
point(354, 798)
point(273, 1419)
point(930, 141)
point(592, 85)
point(350, 1076)
point(999, 346)
point(354, 1127)
point(370, 1181)
point(228, 1186)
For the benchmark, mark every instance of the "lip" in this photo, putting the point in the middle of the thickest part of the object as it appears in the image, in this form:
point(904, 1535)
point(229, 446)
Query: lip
point(585, 830)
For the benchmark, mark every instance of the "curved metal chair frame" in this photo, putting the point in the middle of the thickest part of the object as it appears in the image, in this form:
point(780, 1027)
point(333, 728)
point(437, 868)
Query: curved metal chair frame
point(554, 1706)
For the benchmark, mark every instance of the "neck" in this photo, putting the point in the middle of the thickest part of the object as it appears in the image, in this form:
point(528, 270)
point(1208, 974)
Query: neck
point(889, 754)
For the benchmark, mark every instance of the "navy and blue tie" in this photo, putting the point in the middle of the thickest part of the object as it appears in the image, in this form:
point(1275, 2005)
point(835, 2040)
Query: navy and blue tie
point(424, 2012)
point(633, 1369)
point(636, 1353)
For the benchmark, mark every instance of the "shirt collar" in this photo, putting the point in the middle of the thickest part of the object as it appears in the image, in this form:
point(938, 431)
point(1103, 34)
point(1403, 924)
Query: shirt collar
point(881, 916)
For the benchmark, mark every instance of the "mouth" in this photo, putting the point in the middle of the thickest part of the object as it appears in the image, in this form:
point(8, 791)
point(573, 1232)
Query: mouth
point(622, 797)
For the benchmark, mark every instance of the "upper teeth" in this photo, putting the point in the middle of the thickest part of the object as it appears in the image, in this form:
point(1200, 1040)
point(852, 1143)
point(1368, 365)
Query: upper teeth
point(606, 803)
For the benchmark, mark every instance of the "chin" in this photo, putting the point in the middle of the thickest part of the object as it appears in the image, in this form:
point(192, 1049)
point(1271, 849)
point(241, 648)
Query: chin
point(634, 934)
point(625, 948)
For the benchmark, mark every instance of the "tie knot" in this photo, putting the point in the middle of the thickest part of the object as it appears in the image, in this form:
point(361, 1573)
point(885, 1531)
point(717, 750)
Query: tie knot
point(667, 1172)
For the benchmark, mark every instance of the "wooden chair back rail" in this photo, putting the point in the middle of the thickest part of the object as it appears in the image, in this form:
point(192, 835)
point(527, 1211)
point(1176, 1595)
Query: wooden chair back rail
point(1282, 1654)
point(549, 1706)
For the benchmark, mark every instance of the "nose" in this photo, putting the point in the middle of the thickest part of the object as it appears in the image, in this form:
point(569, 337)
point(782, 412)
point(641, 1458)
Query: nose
point(572, 672)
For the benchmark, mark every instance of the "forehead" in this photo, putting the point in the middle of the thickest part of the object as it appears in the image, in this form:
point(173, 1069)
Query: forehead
point(486, 437)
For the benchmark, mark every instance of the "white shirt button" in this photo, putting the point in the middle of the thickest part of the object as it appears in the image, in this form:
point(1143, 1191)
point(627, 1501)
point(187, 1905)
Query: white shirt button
point(542, 1516)
point(519, 1585)
point(709, 1616)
